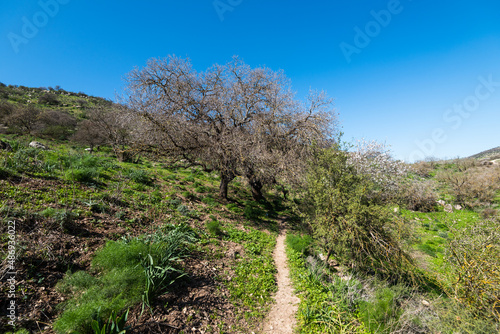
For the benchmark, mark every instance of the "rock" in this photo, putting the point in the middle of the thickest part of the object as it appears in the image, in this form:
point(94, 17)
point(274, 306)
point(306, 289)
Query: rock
point(5, 146)
point(36, 144)
point(458, 207)
point(448, 208)
point(426, 303)
point(441, 202)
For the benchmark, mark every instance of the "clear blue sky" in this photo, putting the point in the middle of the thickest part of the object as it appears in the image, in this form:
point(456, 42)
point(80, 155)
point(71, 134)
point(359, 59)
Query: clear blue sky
point(422, 76)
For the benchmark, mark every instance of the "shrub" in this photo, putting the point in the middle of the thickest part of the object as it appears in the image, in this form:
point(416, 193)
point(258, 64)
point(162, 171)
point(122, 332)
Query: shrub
point(472, 186)
point(418, 195)
point(214, 227)
point(298, 243)
point(474, 256)
point(347, 221)
point(48, 98)
point(424, 168)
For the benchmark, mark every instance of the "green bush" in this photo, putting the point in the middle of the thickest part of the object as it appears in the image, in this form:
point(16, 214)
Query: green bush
point(348, 221)
point(298, 243)
point(214, 227)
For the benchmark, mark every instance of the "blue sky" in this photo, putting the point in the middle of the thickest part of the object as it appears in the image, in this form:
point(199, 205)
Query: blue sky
point(422, 76)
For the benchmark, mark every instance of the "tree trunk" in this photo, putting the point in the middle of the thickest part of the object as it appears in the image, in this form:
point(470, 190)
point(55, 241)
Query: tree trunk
point(256, 188)
point(225, 178)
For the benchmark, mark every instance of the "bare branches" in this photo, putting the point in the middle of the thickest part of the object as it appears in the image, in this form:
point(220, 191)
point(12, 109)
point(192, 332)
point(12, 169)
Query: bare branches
point(231, 118)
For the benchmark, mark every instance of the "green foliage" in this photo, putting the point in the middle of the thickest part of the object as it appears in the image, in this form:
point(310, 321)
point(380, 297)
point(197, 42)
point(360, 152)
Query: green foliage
point(347, 221)
point(233, 207)
point(48, 212)
point(131, 270)
point(254, 281)
point(376, 313)
point(474, 257)
point(139, 176)
point(252, 210)
point(214, 227)
point(183, 210)
point(84, 175)
point(299, 243)
point(114, 325)
point(324, 307)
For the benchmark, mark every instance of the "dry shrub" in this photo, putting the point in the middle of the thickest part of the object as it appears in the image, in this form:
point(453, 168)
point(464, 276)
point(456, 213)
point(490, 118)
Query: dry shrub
point(418, 195)
point(473, 186)
point(474, 258)
point(424, 168)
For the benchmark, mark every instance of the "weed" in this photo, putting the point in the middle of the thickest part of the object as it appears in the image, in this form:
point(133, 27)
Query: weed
point(299, 243)
point(139, 176)
point(132, 270)
point(214, 227)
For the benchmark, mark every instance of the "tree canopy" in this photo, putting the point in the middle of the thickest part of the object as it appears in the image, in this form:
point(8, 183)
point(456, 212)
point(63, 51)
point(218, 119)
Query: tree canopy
point(234, 119)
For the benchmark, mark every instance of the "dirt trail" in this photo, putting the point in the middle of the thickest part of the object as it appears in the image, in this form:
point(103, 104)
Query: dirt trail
point(281, 319)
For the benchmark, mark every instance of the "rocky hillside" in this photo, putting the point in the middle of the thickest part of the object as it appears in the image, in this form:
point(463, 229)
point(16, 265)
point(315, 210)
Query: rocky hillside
point(491, 154)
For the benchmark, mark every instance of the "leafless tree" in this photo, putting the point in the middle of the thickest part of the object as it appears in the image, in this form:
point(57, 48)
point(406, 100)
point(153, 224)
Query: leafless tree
point(89, 133)
point(24, 119)
point(115, 126)
point(230, 118)
point(56, 124)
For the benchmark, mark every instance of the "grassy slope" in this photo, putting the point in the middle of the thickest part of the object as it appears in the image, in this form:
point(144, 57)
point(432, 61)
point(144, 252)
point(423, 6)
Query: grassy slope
point(72, 103)
point(67, 204)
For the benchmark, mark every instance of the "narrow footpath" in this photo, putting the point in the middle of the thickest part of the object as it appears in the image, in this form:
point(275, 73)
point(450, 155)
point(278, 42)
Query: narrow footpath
point(281, 319)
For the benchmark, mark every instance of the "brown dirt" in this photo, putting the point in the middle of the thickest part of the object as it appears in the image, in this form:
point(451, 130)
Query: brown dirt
point(281, 319)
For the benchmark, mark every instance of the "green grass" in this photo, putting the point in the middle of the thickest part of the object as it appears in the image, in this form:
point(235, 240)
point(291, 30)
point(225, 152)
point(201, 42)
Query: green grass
point(129, 271)
point(254, 280)
point(324, 307)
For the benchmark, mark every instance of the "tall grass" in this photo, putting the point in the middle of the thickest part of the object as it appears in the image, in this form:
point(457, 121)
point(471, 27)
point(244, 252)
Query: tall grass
point(129, 271)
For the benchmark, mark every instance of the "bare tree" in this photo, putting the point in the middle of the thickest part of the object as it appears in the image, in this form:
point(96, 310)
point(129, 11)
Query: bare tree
point(89, 133)
point(116, 126)
point(231, 118)
point(24, 119)
point(56, 124)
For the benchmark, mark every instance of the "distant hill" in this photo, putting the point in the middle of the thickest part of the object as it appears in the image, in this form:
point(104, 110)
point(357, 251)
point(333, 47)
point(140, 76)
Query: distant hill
point(50, 98)
point(491, 154)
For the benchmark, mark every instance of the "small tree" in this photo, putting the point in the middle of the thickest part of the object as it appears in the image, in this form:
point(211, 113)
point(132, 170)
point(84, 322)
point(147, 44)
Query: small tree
point(118, 125)
point(24, 119)
point(345, 218)
point(89, 133)
point(49, 99)
point(56, 124)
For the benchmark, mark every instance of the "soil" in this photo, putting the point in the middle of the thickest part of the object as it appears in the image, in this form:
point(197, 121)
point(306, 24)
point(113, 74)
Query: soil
point(281, 319)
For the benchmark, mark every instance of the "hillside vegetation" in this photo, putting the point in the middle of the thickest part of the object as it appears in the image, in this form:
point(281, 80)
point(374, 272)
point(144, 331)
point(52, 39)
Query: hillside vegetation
point(167, 222)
